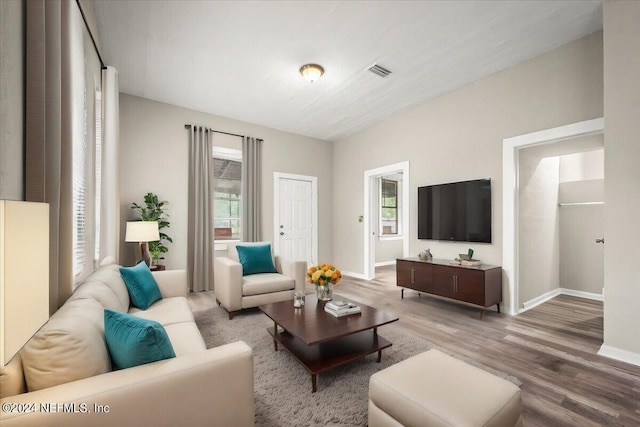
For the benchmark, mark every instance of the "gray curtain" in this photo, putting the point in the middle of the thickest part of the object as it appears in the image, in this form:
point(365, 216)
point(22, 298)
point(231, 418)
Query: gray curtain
point(200, 244)
point(251, 206)
point(48, 130)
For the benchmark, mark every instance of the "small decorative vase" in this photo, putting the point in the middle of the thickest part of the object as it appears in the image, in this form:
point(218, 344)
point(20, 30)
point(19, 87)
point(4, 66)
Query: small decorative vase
point(428, 255)
point(324, 292)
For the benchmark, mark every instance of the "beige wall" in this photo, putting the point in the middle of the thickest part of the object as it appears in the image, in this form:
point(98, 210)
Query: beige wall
point(154, 157)
point(582, 166)
point(591, 190)
point(622, 171)
point(538, 226)
point(459, 136)
point(388, 250)
point(11, 100)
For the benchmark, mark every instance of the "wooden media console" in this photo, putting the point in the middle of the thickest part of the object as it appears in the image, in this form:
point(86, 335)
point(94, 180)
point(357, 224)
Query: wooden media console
point(479, 285)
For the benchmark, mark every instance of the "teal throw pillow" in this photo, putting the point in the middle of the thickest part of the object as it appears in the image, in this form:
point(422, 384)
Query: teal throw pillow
point(255, 259)
point(133, 341)
point(143, 288)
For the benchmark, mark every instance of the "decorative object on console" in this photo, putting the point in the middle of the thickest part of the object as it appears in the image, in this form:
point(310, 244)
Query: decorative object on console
point(467, 260)
point(425, 255)
point(24, 305)
point(142, 232)
point(324, 276)
point(154, 209)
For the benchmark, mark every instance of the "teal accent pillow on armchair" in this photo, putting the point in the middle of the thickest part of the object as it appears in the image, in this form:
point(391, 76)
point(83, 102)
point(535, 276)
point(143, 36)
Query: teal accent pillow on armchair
point(143, 288)
point(133, 341)
point(256, 259)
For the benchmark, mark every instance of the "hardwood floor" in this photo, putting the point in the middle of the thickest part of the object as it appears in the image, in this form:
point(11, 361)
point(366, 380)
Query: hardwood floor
point(551, 349)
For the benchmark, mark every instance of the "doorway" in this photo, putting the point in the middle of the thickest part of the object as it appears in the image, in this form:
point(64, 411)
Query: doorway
point(560, 219)
point(371, 208)
point(510, 199)
point(296, 217)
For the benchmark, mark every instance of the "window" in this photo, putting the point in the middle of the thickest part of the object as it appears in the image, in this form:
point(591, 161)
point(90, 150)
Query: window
point(227, 207)
point(389, 208)
point(86, 83)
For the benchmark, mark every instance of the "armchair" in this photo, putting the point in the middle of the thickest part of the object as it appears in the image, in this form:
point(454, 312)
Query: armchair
point(236, 292)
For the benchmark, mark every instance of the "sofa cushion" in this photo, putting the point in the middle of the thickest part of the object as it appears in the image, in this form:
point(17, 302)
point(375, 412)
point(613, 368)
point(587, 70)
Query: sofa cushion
point(69, 347)
point(255, 259)
point(257, 284)
point(106, 286)
point(12, 378)
point(166, 311)
point(142, 287)
point(186, 338)
point(133, 341)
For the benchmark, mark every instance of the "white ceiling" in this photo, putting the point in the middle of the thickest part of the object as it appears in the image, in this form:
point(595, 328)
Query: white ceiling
point(240, 59)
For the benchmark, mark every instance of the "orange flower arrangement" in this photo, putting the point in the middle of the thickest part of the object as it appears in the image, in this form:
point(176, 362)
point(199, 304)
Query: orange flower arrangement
point(323, 274)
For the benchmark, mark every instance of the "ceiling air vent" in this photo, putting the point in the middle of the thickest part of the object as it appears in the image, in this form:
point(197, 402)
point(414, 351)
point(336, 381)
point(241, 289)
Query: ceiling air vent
point(379, 70)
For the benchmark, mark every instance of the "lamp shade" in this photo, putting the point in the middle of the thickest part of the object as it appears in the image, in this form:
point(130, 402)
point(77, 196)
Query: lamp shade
point(24, 273)
point(142, 231)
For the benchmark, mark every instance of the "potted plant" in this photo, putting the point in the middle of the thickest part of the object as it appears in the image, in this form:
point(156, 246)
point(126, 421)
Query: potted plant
point(154, 210)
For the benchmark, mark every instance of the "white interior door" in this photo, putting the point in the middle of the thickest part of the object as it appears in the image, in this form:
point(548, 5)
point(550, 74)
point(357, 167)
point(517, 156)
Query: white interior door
point(295, 225)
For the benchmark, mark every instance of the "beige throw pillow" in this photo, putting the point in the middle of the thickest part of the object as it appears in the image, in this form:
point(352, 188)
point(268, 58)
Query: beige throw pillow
point(69, 347)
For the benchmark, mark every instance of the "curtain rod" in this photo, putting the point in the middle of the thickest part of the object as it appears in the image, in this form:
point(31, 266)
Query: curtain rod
point(93, 40)
point(216, 131)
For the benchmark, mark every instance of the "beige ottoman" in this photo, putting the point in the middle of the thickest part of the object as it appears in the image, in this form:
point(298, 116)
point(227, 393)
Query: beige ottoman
point(433, 389)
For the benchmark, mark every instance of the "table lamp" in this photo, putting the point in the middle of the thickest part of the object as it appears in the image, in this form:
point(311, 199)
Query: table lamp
point(24, 273)
point(142, 232)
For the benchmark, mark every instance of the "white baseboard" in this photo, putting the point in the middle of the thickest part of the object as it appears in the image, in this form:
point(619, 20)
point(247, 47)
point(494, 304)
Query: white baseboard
point(383, 263)
point(619, 354)
point(581, 294)
point(554, 293)
point(356, 275)
point(539, 300)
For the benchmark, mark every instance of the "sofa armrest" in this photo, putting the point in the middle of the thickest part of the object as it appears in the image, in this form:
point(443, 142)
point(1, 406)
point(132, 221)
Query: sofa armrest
point(227, 277)
point(212, 386)
point(294, 269)
point(172, 283)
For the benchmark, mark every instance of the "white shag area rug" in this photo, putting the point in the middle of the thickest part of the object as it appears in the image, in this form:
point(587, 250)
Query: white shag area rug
point(283, 387)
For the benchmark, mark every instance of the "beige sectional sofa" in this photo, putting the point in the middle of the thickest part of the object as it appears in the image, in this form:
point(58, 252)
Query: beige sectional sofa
point(63, 375)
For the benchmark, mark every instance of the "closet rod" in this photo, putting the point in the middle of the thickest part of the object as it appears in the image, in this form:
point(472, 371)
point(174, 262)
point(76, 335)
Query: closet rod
point(580, 203)
point(187, 126)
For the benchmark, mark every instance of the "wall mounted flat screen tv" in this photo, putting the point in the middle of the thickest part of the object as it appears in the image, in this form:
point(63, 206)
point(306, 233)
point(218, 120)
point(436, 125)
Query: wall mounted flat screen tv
point(456, 212)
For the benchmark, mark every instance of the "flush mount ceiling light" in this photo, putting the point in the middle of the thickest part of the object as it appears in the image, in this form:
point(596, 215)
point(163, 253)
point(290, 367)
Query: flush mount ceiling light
point(311, 72)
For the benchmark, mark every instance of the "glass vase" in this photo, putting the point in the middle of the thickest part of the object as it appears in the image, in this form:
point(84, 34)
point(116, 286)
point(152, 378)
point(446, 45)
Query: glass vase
point(324, 292)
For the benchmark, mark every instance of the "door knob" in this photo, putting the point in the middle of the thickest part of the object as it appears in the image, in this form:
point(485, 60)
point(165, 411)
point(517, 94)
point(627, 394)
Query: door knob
point(600, 240)
point(282, 233)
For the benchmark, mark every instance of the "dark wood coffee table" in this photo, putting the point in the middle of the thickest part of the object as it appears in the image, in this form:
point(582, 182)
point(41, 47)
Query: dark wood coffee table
point(319, 341)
